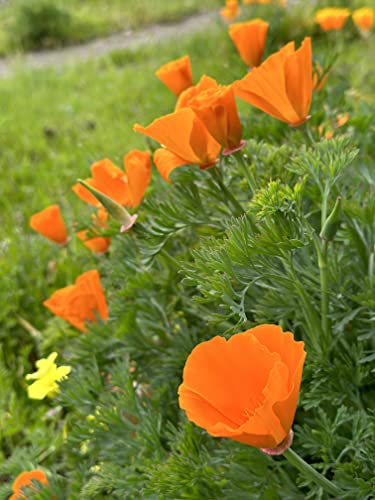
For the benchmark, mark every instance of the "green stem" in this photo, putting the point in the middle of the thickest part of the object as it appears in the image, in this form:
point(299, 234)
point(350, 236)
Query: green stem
point(322, 252)
point(310, 473)
point(246, 170)
point(236, 205)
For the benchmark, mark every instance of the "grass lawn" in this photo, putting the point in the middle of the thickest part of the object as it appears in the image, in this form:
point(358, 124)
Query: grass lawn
point(86, 19)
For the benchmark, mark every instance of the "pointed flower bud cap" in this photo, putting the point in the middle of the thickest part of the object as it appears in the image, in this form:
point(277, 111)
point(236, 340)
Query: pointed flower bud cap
point(332, 223)
point(115, 210)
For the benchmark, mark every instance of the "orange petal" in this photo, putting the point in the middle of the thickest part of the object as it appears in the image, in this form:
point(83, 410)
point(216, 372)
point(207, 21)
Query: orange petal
point(298, 79)
point(96, 244)
point(138, 170)
point(221, 374)
point(249, 38)
point(204, 83)
point(166, 162)
point(49, 223)
point(110, 180)
point(84, 194)
point(176, 75)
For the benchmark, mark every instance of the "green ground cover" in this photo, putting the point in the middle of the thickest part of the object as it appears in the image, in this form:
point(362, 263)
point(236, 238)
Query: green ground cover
point(99, 443)
point(34, 24)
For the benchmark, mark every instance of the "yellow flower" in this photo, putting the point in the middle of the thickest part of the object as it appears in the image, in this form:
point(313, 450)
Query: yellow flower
point(46, 377)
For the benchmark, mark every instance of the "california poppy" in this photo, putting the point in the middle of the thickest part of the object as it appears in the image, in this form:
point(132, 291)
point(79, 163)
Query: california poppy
point(249, 39)
point(80, 302)
point(204, 83)
point(217, 109)
point(364, 18)
point(49, 223)
point(46, 377)
point(245, 388)
point(331, 18)
point(25, 479)
point(184, 135)
point(125, 187)
point(282, 85)
point(231, 10)
point(176, 75)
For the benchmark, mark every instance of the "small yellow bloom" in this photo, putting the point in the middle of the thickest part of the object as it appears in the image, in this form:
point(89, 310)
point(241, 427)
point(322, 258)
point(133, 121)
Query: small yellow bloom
point(46, 377)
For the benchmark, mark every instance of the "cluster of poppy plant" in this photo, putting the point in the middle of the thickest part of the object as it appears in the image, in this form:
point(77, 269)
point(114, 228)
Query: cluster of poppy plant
point(204, 123)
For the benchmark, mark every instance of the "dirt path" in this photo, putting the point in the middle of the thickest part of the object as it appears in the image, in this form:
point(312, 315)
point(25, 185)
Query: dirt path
point(99, 47)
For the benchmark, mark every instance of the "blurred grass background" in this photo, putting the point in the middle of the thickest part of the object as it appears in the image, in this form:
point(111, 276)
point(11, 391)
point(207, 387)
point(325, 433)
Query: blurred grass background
point(38, 24)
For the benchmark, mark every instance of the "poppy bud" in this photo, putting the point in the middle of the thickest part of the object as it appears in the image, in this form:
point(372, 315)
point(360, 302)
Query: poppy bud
point(118, 212)
point(332, 223)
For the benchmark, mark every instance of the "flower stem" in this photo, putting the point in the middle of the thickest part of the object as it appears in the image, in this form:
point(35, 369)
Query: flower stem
point(235, 203)
point(310, 473)
point(322, 251)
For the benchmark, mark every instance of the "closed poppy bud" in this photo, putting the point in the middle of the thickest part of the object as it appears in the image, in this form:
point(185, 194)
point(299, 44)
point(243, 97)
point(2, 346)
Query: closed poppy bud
point(115, 210)
point(25, 479)
point(332, 223)
point(363, 18)
point(331, 18)
point(176, 75)
point(282, 85)
point(80, 302)
point(184, 134)
point(245, 388)
point(217, 109)
point(50, 224)
point(249, 39)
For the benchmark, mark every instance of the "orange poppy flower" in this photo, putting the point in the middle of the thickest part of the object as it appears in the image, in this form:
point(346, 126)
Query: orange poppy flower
point(25, 479)
point(217, 109)
point(204, 83)
point(231, 10)
point(126, 188)
point(249, 39)
point(282, 85)
point(80, 302)
point(363, 18)
point(331, 18)
point(184, 135)
point(176, 75)
point(49, 223)
point(245, 388)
